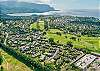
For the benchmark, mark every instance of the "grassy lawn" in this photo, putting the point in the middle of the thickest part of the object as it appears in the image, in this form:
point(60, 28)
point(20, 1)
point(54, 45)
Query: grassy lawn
point(12, 64)
point(91, 43)
point(51, 33)
point(34, 25)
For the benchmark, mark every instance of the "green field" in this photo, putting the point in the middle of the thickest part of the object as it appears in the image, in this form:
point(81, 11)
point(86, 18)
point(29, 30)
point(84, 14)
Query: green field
point(12, 64)
point(37, 25)
point(91, 43)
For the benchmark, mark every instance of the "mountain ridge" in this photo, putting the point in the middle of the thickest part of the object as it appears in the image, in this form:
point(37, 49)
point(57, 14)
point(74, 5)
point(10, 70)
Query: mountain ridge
point(7, 7)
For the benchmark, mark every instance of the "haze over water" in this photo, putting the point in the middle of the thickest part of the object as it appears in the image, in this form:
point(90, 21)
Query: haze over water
point(95, 13)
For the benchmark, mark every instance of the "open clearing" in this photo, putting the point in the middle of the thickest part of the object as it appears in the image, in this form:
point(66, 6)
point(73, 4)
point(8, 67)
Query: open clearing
point(37, 25)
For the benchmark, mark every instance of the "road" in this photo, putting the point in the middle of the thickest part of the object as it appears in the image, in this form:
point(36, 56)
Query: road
point(6, 38)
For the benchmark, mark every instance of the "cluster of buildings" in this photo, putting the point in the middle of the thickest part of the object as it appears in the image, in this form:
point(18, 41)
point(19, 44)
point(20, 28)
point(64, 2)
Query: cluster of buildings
point(34, 44)
point(77, 25)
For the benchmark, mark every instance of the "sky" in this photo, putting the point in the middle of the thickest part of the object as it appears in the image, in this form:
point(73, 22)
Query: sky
point(66, 4)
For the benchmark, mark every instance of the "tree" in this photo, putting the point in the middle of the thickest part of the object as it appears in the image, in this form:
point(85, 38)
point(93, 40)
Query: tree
point(51, 40)
point(69, 43)
point(65, 36)
point(73, 38)
point(58, 41)
point(1, 69)
point(58, 33)
point(46, 25)
point(31, 38)
point(44, 33)
point(74, 67)
point(49, 67)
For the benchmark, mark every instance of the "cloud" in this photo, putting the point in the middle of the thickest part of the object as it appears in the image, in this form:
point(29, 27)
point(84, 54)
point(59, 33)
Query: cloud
point(45, 1)
point(37, 1)
point(66, 4)
point(7, 0)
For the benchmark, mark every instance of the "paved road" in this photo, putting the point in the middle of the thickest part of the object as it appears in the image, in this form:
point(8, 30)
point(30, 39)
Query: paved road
point(57, 51)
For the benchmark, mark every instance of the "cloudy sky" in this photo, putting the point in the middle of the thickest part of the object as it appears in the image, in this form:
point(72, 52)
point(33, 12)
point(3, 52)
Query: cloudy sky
point(66, 4)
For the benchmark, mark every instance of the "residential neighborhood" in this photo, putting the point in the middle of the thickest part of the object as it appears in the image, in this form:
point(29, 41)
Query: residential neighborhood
point(39, 40)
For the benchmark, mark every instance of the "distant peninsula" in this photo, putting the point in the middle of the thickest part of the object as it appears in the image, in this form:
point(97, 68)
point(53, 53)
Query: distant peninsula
point(9, 7)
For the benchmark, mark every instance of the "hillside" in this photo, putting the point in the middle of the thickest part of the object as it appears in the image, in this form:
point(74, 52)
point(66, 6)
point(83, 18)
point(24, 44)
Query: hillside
point(12, 64)
point(7, 7)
